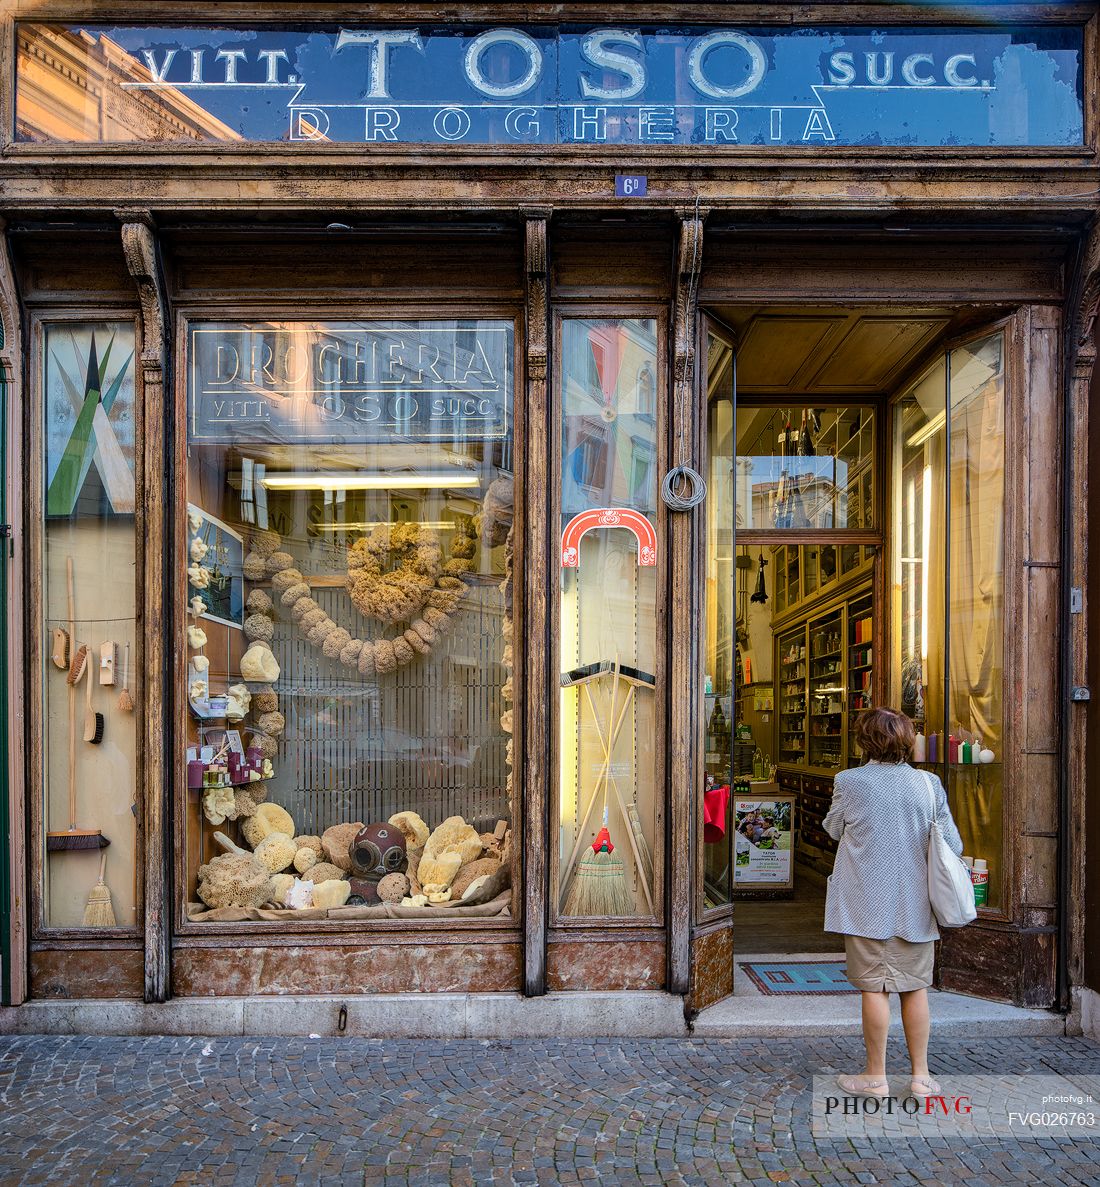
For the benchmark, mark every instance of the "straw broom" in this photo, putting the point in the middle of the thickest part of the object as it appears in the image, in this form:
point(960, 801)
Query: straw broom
point(99, 912)
point(599, 884)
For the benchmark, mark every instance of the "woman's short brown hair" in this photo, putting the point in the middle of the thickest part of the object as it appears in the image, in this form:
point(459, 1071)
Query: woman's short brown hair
point(885, 735)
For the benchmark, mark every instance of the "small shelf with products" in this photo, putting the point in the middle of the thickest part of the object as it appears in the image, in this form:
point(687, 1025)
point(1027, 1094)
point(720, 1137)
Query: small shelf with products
point(826, 690)
point(791, 724)
point(860, 661)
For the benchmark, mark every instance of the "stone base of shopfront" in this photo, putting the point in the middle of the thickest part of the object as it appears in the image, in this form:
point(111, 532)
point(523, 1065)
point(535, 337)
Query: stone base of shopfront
point(638, 1015)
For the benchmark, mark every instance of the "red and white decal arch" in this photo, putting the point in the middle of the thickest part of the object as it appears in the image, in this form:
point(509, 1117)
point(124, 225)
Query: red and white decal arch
point(608, 517)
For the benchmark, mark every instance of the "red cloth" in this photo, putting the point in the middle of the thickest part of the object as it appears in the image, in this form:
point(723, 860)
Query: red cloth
point(715, 804)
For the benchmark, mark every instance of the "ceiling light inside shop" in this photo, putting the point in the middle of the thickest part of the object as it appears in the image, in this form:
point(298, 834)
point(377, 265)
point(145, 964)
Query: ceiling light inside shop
point(351, 481)
point(439, 525)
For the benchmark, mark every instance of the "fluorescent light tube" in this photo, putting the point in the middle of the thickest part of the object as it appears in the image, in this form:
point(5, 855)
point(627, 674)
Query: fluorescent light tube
point(352, 480)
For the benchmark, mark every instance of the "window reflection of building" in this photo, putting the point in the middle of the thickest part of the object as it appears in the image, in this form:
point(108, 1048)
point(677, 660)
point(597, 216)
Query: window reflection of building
point(72, 86)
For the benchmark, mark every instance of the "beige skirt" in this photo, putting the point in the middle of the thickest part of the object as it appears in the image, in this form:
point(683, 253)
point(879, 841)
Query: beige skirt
point(889, 966)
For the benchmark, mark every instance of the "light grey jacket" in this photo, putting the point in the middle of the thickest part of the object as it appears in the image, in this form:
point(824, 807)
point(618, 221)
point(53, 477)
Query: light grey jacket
point(881, 814)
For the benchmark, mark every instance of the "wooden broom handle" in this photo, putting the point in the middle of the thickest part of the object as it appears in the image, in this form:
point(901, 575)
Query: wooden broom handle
point(72, 696)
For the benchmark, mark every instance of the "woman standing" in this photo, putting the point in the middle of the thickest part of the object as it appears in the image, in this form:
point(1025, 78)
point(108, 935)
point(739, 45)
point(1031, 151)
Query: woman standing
point(878, 892)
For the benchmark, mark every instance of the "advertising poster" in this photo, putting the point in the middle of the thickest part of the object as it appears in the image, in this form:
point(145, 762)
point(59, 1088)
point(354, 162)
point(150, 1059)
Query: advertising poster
point(763, 842)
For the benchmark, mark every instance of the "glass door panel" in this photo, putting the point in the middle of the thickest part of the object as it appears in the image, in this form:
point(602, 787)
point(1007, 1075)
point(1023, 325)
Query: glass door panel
point(609, 810)
point(720, 659)
point(976, 600)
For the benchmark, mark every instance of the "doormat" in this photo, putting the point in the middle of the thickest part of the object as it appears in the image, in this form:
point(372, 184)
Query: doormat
point(798, 976)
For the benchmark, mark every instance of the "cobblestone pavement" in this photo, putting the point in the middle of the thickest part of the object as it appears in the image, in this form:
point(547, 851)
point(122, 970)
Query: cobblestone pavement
point(78, 1110)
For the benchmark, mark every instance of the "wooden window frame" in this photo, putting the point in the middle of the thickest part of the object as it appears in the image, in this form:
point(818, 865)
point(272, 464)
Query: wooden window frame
point(640, 925)
point(373, 306)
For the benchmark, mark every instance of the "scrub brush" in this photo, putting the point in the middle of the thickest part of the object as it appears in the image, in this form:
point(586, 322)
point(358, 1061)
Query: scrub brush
point(125, 700)
point(93, 722)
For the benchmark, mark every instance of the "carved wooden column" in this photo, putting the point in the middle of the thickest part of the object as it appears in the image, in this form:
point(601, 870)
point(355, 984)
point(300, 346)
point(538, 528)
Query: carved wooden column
point(11, 356)
point(537, 686)
point(1082, 338)
point(151, 530)
point(685, 610)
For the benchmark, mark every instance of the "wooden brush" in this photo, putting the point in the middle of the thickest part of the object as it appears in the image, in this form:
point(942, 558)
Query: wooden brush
point(93, 721)
point(73, 837)
point(125, 700)
point(99, 912)
point(59, 652)
point(78, 664)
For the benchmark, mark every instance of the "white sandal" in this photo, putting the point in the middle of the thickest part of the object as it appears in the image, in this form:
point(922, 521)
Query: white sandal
point(870, 1087)
point(922, 1087)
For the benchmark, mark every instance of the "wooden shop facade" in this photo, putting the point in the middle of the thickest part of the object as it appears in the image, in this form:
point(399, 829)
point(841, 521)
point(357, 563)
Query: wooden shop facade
point(358, 638)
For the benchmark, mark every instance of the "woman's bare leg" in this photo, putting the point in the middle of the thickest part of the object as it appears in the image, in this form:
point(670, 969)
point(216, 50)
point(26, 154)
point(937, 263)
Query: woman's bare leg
point(876, 1025)
point(915, 1020)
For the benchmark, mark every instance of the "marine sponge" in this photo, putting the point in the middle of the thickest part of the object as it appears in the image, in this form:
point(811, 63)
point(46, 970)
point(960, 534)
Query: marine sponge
point(471, 872)
point(366, 661)
point(296, 591)
point(336, 844)
point(305, 857)
point(259, 665)
point(265, 699)
point(267, 542)
point(437, 873)
point(384, 658)
point(393, 888)
point(325, 871)
point(278, 561)
point(276, 851)
point(319, 633)
point(454, 834)
point(307, 841)
point(268, 818)
point(331, 893)
point(415, 640)
point(244, 803)
point(259, 602)
point(302, 607)
point(335, 641)
point(349, 653)
point(415, 831)
point(254, 568)
point(272, 723)
point(282, 883)
point(219, 805)
point(235, 880)
point(402, 652)
point(259, 626)
point(284, 579)
point(311, 617)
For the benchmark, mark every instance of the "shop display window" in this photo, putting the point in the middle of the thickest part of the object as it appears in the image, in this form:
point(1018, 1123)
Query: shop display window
point(806, 468)
point(90, 673)
point(609, 804)
point(975, 609)
point(346, 589)
point(948, 585)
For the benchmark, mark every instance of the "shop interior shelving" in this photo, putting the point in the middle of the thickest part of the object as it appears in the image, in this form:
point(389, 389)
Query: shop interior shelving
point(860, 660)
point(792, 668)
point(826, 690)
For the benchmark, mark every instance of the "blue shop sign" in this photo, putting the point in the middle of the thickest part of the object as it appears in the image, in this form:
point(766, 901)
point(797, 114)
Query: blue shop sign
point(634, 86)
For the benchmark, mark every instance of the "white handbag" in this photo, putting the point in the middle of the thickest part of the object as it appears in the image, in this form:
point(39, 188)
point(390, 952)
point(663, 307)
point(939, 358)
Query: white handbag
point(950, 889)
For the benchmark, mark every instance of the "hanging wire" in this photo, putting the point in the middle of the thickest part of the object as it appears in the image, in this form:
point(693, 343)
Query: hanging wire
point(682, 487)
